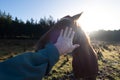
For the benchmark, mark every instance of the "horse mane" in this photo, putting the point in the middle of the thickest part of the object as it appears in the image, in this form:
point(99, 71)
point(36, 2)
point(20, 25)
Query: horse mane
point(84, 57)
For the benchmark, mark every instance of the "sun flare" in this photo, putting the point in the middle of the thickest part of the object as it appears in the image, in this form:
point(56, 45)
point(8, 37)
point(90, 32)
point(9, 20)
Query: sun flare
point(88, 23)
point(96, 18)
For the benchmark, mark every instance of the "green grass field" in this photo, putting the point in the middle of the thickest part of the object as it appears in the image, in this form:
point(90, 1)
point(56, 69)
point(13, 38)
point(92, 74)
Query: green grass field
point(109, 62)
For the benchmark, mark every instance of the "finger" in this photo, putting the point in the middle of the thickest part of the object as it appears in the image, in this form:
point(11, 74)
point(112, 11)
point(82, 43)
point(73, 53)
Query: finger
point(61, 33)
point(75, 46)
point(72, 35)
point(70, 32)
point(65, 32)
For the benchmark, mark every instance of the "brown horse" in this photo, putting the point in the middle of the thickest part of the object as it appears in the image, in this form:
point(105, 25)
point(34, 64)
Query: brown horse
point(84, 62)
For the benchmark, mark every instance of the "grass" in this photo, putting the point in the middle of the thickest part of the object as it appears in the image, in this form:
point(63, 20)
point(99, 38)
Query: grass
point(109, 65)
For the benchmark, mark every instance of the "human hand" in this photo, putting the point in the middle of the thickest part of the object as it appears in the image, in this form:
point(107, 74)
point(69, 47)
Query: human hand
point(64, 42)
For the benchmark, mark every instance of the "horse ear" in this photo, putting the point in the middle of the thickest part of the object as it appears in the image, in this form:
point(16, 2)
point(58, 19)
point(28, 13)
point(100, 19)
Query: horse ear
point(75, 17)
point(66, 16)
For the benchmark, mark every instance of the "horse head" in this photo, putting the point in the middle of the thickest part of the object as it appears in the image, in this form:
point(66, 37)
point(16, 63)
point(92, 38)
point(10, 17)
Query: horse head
point(84, 58)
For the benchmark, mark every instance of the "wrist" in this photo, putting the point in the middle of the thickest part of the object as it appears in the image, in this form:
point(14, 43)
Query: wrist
point(58, 48)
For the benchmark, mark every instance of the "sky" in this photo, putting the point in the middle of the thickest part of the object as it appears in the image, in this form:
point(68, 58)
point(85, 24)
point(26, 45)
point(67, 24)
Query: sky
point(97, 14)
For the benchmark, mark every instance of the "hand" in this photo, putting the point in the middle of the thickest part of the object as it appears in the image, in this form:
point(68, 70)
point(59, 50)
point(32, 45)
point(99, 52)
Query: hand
point(64, 42)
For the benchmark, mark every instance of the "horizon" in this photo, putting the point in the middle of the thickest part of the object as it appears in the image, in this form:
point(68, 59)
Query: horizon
point(101, 14)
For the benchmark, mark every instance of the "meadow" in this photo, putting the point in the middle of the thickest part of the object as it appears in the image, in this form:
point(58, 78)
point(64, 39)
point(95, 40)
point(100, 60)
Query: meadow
point(108, 59)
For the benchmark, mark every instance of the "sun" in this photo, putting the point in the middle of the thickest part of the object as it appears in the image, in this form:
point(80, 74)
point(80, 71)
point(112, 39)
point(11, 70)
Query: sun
point(96, 18)
point(89, 21)
point(86, 23)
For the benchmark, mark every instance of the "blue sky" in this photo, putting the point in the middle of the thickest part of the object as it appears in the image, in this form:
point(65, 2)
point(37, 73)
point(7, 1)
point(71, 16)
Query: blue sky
point(26, 9)
point(98, 14)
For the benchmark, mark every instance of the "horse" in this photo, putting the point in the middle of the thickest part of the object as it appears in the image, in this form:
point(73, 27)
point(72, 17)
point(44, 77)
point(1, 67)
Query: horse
point(84, 63)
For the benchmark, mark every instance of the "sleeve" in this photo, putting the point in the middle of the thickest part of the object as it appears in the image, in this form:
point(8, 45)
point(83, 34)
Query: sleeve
point(29, 66)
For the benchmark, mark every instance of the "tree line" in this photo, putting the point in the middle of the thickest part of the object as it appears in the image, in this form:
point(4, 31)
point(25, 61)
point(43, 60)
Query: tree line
point(17, 29)
point(103, 35)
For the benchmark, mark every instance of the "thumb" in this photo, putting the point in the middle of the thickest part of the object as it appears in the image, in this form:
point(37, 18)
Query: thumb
point(75, 46)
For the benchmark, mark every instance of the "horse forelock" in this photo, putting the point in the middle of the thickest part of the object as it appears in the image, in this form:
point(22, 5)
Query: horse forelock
point(80, 35)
